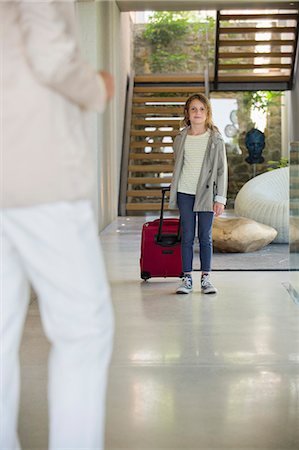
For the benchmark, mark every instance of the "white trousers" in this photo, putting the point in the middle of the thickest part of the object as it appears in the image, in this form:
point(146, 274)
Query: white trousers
point(55, 247)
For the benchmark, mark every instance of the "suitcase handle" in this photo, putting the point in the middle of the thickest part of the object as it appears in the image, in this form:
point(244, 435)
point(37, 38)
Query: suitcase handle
point(159, 237)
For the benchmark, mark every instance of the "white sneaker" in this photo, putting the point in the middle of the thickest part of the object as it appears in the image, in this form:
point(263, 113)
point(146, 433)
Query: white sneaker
point(186, 286)
point(206, 285)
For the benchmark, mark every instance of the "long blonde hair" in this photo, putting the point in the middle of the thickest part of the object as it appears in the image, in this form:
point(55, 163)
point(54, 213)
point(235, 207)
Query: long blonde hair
point(206, 102)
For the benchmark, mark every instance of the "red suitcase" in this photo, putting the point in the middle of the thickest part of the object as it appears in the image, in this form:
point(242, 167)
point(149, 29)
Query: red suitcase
point(161, 247)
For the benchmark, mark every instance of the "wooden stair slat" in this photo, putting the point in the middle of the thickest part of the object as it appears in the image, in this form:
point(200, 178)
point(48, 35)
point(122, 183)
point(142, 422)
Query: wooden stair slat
point(141, 133)
point(159, 89)
point(241, 66)
point(144, 193)
point(157, 109)
point(160, 99)
point(151, 156)
point(240, 17)
point(234, 55)
point(245, 30)
point(159, 122)
point(225, 77)
point(145, 206)
point(149, 180)
point(254, 42)
point(142, 144)
point(169, 78)
point(164, 168)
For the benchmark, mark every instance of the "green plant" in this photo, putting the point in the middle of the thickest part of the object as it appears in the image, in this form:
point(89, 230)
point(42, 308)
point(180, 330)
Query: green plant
point(283, 162)
point(167, 33)
point(261, 100)
point(164, 26)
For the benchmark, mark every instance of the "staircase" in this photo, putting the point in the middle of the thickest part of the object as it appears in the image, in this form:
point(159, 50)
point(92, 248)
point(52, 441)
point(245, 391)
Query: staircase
point(255, 48)
point(156, 118)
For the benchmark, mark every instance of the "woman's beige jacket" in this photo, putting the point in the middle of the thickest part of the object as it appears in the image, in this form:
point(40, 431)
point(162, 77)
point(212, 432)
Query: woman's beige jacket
point(45, 88)
point(212, 182)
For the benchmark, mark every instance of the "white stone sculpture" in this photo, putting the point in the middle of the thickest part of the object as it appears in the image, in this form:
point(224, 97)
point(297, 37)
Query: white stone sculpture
point(265, 199)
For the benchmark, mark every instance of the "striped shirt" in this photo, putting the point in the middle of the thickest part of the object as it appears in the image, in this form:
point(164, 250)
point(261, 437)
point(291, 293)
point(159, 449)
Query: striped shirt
point(194, 152)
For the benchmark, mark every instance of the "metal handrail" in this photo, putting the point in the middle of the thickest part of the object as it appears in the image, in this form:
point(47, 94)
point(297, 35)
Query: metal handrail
point(126, 147)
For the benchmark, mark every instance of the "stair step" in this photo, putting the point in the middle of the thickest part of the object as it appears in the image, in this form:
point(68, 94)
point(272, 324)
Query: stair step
point(149, 180)
point(142, 144)
point(158, 110)
point(190, 78)
point(178, 89)
point(227, 77)
point(168, 121)
point(234, 55)
point(241, 66)
point(159, 168)
point(254, 42)
point(245, 30)
point(151, 156)
point(144, 206)
point(152, 99)
point(144, 193)
point(278, 16)
point(141, 133)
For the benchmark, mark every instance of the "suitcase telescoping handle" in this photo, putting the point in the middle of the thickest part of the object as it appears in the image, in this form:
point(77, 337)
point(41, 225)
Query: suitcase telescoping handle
point(159, 237)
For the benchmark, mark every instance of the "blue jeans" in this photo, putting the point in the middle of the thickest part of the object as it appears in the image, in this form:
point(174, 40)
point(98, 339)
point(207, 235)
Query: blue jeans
point(204, 226)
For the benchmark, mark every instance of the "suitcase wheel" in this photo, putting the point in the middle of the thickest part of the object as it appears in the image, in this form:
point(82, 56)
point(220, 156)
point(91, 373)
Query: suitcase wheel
point(145, 275)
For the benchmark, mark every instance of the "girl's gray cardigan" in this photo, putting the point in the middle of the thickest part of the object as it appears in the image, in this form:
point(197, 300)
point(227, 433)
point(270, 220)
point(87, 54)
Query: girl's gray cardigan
point(212, 182)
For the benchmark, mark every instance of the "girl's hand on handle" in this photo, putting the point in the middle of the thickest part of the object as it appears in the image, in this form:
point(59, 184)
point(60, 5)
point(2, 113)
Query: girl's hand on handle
point(218, 209)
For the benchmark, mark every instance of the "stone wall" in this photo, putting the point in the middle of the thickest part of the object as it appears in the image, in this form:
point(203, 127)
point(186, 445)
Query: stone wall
point(185, 55)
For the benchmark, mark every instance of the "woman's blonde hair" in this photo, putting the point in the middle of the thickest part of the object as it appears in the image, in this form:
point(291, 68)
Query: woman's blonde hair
point(206, 102)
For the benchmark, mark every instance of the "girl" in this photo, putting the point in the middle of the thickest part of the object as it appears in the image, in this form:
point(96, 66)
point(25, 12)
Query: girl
point(199, 186)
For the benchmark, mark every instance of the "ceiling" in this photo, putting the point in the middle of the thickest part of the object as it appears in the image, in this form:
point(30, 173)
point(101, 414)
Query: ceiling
point(172, 5)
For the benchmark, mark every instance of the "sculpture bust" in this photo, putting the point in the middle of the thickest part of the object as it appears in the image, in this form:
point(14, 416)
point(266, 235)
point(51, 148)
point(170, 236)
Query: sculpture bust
point(255, 143)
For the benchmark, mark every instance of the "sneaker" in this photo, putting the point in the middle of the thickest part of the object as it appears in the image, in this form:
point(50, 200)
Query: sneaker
point(186, 286)
point(206, 285)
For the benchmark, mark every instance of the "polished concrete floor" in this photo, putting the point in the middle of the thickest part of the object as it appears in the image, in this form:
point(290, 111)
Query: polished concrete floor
point(187, 372)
